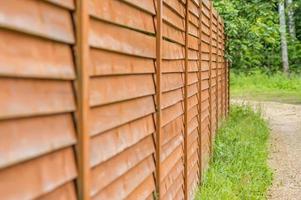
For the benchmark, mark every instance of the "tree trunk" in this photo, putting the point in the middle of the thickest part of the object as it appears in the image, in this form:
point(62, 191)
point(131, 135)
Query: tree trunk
point(291, 20)
point(283, 37)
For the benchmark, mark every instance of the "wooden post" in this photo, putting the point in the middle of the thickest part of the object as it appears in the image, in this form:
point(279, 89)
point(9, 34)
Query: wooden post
point(221, 65)
point(210, 80)
point(82, 56)
point(228, 87)
point(186, 189)
point(200, 90)
point(158, 96)
point(216, 78)
point(227, 65)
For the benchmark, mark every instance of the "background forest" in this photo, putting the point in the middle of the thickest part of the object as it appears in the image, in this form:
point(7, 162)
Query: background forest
point(254, 34)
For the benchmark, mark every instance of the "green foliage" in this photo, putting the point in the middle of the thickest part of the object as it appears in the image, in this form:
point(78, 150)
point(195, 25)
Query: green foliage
point(294, 49)
point(239, 169)
point(297, 9)
point(254, 40)
point(261, 86)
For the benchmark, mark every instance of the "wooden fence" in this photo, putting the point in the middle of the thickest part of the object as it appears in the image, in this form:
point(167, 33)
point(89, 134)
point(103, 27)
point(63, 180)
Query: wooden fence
point(108, 99)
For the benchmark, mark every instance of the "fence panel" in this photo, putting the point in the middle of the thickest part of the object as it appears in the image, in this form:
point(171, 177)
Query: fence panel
point(37, 101)
point(109, 99)
point(121, 99)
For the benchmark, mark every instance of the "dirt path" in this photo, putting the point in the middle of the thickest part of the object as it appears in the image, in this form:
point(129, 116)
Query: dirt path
point(285, 149)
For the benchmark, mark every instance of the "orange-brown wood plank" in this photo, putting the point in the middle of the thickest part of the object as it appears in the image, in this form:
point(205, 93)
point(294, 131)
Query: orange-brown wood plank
point(107, 117)
point(110, 143)
point(44, 174)
point(146, 5)
point(113, 169)
point(114, 11)
point(144, 190)
point(111, 63)
point(69, 4)
point(29, 97)
point(108, 36)
point(27, 56)
point(124, 87)
point(125, 185)
point(67, 191)
point(27, 138)
point(38, 18)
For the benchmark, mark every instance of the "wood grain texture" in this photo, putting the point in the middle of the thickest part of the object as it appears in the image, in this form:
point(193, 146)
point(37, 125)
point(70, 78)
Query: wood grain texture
point(83, 109)
point(44, 175)
point(27, 138)
point(110, 11)
point(31, 57)
point(30, 97)
point(38, 18)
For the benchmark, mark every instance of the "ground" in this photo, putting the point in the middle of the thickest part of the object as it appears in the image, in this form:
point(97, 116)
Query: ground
point(285, 148)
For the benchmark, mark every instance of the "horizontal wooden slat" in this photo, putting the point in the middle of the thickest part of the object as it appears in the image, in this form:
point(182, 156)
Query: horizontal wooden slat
point(173, 182)
point(38, 18)
point(193, 8)
point(172, 81)
point(27, 138)
point(193, 20)
point(175, 186)
point(115, 38)
point(171, 130)
point(172, 51)
point(111, 11)
point(192, 112)
point(25, 97)
point(193, 55)
point(180, 194)
point(110, 170)
point(193, 30)
point(193, 89)
point(144, 190)
point(26, 56)
point(113, 115)
point(193, 42)
point(192, 101)
point(169, 66)
point(168, 148)
point(171, 113)
point(110, 143)
point(108, 63)
point(173, 18)
point(39, 176)
point(146, 5)
point(66, 192)
point(177, 6)
point(69, 4)
point(172, 97)
point(110, 89)
point(171, 33)
point(126, 184)
point(171, 161)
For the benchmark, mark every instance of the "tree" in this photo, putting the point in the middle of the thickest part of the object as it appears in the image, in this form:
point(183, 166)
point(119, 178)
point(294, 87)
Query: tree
point(291, 20)
point(252, 28)
point(254, 40)
point(284, 51)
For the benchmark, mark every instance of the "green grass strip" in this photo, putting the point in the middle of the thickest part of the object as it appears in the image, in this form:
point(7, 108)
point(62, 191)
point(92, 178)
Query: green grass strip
point(239, 168)
point(259, 86)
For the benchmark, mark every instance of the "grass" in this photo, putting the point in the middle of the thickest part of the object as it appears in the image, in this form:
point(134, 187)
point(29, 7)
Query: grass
point(239, 168)
point(259, 86)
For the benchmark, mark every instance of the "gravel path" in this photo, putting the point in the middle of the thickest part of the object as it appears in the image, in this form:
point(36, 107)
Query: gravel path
point(285, 148)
